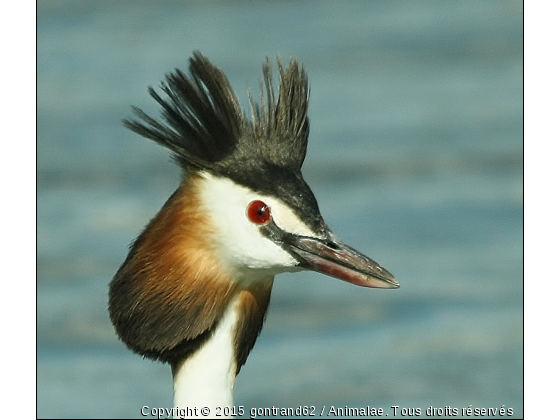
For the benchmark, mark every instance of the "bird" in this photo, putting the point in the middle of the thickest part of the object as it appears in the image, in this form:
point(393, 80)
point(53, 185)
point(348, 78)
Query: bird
point(195, 286)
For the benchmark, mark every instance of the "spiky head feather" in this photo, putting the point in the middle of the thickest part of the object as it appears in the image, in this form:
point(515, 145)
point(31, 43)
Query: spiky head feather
point(207, 129)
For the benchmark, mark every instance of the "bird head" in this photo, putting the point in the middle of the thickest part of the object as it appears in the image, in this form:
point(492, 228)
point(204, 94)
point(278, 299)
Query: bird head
point(242, 214)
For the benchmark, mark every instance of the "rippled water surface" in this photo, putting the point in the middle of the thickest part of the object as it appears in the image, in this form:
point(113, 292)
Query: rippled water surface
point(415, 156)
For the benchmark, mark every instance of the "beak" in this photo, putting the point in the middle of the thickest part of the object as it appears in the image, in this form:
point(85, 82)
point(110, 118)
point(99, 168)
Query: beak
point(334, 258)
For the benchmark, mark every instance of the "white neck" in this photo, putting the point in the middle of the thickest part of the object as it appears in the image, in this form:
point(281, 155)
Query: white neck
point(207, 377)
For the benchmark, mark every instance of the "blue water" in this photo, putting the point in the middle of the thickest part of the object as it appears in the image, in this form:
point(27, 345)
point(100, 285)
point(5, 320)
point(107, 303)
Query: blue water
point(415, 157)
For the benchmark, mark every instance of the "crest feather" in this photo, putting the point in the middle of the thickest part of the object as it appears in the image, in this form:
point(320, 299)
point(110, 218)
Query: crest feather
point(205, 128)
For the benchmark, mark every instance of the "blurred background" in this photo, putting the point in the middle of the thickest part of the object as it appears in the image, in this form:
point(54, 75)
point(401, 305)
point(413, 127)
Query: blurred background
point(415, 157)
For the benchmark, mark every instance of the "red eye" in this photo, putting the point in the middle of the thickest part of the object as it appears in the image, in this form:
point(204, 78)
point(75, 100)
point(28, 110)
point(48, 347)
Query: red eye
point(258, 212)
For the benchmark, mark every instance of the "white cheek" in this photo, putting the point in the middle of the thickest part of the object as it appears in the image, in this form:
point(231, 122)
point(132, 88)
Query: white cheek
point(239, 241)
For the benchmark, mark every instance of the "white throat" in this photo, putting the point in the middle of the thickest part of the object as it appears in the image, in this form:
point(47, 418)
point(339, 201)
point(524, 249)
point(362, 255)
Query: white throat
point(207, 377)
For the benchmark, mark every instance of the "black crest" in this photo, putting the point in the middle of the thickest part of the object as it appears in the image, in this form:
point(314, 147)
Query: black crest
point(206, 129)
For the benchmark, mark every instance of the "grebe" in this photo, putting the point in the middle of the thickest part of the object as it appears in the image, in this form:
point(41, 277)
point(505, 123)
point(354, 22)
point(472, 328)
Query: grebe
point(194, 289)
